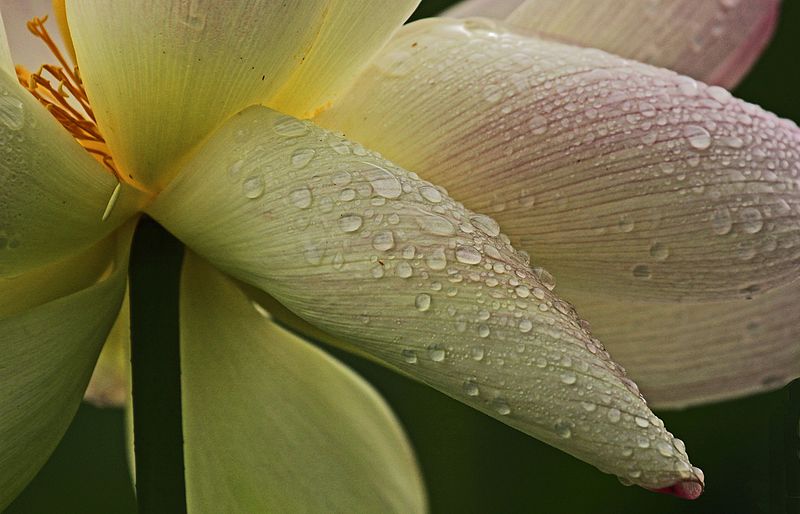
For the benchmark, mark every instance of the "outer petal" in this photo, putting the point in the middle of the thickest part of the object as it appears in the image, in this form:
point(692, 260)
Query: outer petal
point(46, 356)
point(162, 75)
point(53, 194)
point(24, 47)
point(110, 385)
point(614, 175)
point(713, 41)
point(374, 255)
point(309, 436)
point(685, 354)
point(497, 9)
point(6, 64)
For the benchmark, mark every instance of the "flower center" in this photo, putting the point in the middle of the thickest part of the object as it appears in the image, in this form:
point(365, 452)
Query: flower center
point(66, 100)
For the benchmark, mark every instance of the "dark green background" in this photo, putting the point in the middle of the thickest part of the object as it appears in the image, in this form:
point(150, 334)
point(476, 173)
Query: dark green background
point(475, 464)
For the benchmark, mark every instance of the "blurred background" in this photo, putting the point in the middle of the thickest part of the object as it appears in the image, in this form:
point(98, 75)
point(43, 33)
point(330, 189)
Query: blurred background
point(474, 464)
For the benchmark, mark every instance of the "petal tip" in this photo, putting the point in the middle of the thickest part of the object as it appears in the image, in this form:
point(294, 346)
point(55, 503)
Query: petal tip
point(687, 489)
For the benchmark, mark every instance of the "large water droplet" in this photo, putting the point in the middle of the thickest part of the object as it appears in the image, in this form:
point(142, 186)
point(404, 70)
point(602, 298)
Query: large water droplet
point(436, 352)
point(431, 194)
point(350, 222)
point(468, 255)
point(253, 187)
point(659, 251)
point(501, 406)
point(486, 224)
point(697, 136)
point(408, 355)
point(436, 259)
point(302, 156)
point(563, 429)
point(383, 241)
point(403, 269)
point(383, 182)
point(752, 221)
point(721, 222)
point(471, 387)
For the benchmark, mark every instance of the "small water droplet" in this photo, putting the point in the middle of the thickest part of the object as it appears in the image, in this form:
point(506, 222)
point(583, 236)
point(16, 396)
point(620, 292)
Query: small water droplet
point(642, 271)
point(383, 241)
point(431, 194)
point(436, 259)
point(408, 355)
point(483, 331)
point(486, 224)
point(538, 124)
point(525, 326)
point(403, 269)
point(697, 136)
point(383, 182)
point(568, 377)
point(422, 302)
point(290, 127)
point(614, 415)
point(665, 449)
point(625, 224)
point(436, 352)
point(471, 387)
point(659, 251)
point(563, 429)
point(302, 156)
point(477, 353)
point(721, 222)
point(501, 406)
point(641, 422)
point(253, 187)
point(301, 198)
point(752, 221)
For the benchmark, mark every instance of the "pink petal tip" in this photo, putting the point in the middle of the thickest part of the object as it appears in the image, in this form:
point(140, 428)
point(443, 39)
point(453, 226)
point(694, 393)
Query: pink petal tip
point(686, 489)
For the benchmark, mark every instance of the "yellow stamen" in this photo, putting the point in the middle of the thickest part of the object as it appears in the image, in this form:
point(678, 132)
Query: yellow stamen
point(67, 101)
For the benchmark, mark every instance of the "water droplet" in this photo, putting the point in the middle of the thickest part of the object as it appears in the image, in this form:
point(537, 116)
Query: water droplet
point(665, 449)
point(642, 441)
point(659, 251)
point(471, 387)
point(436, 352)
point(12, 112)
point(501, 406)
point(752, 222)
point(642, 271)
point(410, 356)
point(253, 187)
point(614, 415)
point(339, 146)
point(525, 326)
point(350, 222)
point(383, 182)
point(721, 222)
point(625, 224)
point(563, 429)
point(436, 225)
point(486, 224)
point(697, 136)
point(538, 124)
point(641, 422)
point(383, 241)
point(235, 168)
point(436, 259)
point(403, 269)
point(522, 291)
point(290, 127)
point(483, 331)
point(302, 156)
point(431, 194)
point(468, 255)
point(422, 302)
point(588, 406)
point(301, 198)
point(568, 377)
point(477, 353)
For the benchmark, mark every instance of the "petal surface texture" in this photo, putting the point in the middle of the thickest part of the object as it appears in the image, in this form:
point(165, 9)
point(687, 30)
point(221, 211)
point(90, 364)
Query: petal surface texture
point(390, 263)
point(53, 193)
point(713, 41)
point(47, 352)
point(497, 9)
point(273, 424)
point(613, 175)
point(162, 75)
point(687, 354)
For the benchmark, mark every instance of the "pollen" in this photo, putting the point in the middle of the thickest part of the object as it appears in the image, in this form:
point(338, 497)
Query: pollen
point(60, 90)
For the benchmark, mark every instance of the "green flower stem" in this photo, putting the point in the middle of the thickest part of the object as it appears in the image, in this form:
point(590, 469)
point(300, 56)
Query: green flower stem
point(791, 434)
point(155, 269)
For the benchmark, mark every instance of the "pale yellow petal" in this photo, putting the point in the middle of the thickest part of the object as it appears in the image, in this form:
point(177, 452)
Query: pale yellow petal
point(110, 385)
point(687, 354)
point(273, 424)
point(47, 353)
point(162, 75)
point(375, 256)
point(6, 64)
point(613, 175)
point(53, 193)
point(713, 41)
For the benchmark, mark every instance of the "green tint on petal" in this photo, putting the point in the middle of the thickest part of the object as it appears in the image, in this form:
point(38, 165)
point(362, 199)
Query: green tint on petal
point(713, 41)
point(162, 75)
point(497, 9)
point(53, 193)
point(614, 175)
point(375, 256)
point(46, 358)
point(273, 424)
point(684, 354)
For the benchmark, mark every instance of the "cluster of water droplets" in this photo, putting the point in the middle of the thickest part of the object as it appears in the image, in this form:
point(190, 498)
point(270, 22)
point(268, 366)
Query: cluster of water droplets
point(611, 152)
point(421, 282)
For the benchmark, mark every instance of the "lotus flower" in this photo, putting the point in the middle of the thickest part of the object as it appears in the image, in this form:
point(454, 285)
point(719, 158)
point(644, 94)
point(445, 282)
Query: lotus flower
point(396, 193)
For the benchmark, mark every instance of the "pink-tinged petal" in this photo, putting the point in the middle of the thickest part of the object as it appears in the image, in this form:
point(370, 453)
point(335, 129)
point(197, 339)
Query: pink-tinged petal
point(612, 174)
point(497, 9)
point(713, 41)
point(394, 266)
point(687, 354)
